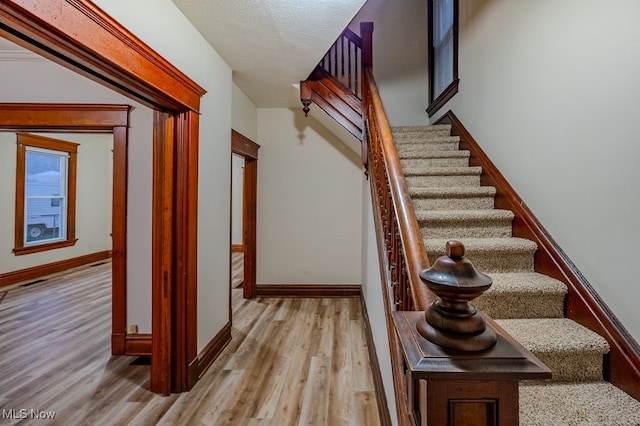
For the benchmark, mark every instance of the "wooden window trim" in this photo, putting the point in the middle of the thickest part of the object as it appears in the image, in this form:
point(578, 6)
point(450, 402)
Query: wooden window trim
point(450, 91)
point(35, 141)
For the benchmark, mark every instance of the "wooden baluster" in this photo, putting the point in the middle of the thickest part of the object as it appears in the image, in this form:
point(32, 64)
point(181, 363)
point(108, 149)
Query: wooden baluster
point(342, 79)
point(358, 72)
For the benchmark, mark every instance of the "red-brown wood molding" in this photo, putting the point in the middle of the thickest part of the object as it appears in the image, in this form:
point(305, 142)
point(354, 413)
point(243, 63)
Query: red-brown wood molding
point(55, 116)
point(242, 145)
point(35, 272)
point(248, 149)
point(622, 364)
point(77, 28)
point(308, 290)
point(137, 344)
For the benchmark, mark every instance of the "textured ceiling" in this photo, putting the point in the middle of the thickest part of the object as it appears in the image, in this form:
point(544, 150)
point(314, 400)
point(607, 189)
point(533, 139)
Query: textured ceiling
point(270, 44)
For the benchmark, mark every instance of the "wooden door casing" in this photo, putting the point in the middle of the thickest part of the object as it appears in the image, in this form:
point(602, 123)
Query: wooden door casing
point(80, 36)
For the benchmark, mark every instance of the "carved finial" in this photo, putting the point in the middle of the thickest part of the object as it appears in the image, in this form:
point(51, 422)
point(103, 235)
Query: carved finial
point(306, 108)
point(455, 249)
point(451, 321)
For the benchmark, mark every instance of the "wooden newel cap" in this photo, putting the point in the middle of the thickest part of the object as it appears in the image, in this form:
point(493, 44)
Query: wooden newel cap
point(451, 321)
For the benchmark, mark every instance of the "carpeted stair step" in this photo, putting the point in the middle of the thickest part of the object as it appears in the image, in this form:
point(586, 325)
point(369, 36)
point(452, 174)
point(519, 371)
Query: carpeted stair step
point(420, 132)
point(592, 403)
point(490, 255)
point(413, 160)
point(444, 143)
point(572, 352)
point(455, 224)
point(442, 176)
point(453, 198)
point(523, 295)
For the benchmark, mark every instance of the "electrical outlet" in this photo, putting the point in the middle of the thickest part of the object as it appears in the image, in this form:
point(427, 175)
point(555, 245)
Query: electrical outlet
point(306, 269)
point(133, 329)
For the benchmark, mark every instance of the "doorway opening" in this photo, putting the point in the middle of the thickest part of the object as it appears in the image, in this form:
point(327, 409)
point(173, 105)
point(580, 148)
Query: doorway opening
point(244, 153)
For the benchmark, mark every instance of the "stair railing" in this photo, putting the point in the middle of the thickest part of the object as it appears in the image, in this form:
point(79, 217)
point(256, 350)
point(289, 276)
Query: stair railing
point(432, 384)
point(343, 61)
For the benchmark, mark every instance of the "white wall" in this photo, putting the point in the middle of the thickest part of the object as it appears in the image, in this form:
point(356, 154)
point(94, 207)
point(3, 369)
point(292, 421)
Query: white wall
point(31, 79)
point(309, 203)
point(93, 200)
point(188, 51)
point(549, 89)
point(244, 114)
point(399, 57)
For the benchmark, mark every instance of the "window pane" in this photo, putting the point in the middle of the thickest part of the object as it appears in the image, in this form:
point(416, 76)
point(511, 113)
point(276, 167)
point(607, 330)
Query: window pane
point(443, 75)
point(45, 195)
point(44, 220)
point(443, 20)
point(43, 174)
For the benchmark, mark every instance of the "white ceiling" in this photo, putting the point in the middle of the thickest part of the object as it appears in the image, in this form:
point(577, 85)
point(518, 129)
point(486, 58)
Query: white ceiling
point(270, 44)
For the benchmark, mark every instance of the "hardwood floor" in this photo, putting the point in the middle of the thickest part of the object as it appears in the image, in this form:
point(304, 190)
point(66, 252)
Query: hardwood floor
point(291, 362)
point(237, 269)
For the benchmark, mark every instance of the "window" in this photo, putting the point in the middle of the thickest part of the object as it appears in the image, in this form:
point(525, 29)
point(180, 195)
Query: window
point(443, 53)
point(45, 194)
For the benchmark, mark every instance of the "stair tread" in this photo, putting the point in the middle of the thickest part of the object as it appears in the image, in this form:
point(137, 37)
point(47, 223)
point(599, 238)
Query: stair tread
point(453, 191)
point(525, 282)
point(424, 128)
point(545, 335)
point(443, 171)
point(523, 295)
point(424, 139)
point(483, 245)
point(434, 154)
point(591, 403)
point(453, 215)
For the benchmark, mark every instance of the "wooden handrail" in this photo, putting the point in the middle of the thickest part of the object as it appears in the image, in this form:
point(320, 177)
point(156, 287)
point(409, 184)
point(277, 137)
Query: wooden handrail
point(412, 250)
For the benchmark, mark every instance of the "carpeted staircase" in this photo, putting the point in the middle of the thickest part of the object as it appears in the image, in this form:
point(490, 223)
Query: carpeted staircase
point(450, 204)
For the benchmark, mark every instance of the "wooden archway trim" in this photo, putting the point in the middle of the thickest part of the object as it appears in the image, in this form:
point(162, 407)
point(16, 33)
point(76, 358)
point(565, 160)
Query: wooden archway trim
point(90, 118)
point(80, 36)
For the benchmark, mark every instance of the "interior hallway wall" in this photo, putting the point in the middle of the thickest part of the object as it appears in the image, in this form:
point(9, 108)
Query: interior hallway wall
point(309, 208)
point(549, 90)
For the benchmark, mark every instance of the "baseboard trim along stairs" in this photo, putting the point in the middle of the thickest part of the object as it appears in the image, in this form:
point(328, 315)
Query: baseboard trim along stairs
point(451, 203)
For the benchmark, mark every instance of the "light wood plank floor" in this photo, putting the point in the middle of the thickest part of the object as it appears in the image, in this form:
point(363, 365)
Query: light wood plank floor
point(237, 269)
point(291, 362)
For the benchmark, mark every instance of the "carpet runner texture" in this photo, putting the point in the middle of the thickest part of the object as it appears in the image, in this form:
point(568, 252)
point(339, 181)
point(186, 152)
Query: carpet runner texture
point(450, 204)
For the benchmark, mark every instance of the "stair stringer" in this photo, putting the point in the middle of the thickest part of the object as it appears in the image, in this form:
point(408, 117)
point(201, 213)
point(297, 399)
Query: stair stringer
point(583, 305)
point(335, 99)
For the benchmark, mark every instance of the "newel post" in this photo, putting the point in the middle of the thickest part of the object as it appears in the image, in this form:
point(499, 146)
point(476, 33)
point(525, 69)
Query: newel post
point(366, 61)
point(461, 367)
point(366, 34)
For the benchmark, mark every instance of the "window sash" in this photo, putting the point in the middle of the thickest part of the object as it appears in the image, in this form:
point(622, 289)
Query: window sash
point(442, 45)
point(40, 216)
point(57, 196)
